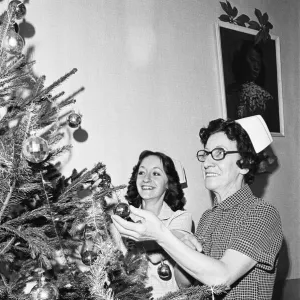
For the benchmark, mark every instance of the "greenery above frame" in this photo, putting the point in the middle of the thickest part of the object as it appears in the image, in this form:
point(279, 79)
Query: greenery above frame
point(263, 25)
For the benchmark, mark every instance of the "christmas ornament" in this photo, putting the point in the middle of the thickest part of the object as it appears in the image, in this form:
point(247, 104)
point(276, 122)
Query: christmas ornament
point(18, 7)
point(122, 210)
point(105, 181)
point(35, 149)
point(88, 257)
point(13, 43)
point(164, 271)
point(74, 120)
point(48, 291)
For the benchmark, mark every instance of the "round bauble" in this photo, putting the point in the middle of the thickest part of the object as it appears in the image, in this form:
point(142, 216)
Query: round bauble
point(35, 149)
point(122, 210)
point(74, 120)
point(88, 257)
point(13, 43)
point(164, 272)
point(18, 7)
point(105, 181)
point(46, 292)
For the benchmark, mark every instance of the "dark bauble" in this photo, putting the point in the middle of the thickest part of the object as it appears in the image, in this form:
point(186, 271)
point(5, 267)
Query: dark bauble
point(164, 272)
point(106, 181)
point(122, 210)
point(88, 257)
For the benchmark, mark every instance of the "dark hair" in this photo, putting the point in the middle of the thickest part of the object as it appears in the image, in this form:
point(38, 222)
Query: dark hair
point(174, 195)
point(240, 65)
point(235, 132)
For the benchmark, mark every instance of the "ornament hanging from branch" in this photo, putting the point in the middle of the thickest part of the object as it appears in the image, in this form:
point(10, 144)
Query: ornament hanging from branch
point(17, 9)
point(122, 210)
point(263, 25)
point(35, 149)
point(13, 43)
point(164, 271)
point(74, 120)
point(88, 251)
point(44, 291)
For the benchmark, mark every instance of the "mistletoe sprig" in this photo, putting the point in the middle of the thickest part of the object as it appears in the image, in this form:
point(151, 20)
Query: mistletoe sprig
point(263, 25)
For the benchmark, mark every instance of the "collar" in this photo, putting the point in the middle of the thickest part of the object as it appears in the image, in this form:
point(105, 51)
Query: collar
point(238, 197)
point(165, 212)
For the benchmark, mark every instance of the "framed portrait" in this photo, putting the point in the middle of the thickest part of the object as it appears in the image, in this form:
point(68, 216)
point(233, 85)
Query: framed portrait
point(250, 76)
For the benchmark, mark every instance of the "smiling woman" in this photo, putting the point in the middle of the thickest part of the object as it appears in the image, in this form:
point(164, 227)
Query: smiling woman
point(154, 186)
point(237, 241)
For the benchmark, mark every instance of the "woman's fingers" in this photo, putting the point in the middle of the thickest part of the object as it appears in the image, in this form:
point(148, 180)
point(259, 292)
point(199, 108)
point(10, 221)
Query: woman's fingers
point(144, 214)
point(127, 229)
point(148, 229)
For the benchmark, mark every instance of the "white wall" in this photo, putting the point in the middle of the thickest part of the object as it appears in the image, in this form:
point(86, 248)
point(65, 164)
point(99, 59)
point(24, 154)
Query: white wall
point(150, 72)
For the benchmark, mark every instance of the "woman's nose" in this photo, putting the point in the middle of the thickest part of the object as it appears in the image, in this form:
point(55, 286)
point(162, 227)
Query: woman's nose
point(147, 178)
point(208, 161)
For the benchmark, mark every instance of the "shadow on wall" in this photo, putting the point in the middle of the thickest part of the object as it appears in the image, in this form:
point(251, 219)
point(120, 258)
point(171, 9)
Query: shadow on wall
point(80, 135)
point(281, 290)
point(26, 30)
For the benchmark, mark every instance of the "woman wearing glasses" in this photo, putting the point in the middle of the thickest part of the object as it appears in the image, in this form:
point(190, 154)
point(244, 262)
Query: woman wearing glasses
point(237, 241)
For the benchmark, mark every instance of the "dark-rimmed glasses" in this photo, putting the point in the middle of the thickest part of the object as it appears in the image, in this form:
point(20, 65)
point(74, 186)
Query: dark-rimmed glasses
point(216, 154)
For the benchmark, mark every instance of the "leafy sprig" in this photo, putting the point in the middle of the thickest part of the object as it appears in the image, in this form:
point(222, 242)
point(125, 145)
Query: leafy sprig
point(263, 25)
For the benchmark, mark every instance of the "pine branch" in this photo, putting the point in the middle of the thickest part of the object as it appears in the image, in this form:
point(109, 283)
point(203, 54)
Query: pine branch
point(4, 28)
point(38, 85)
point(12, 187)
point(7, 246)
point(50, 88)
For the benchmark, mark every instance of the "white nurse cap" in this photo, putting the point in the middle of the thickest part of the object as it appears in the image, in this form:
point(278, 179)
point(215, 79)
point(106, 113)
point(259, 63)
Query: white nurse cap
point(257, 130)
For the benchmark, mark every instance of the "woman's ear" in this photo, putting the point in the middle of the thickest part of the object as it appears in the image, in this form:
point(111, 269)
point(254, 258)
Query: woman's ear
point(244, 171)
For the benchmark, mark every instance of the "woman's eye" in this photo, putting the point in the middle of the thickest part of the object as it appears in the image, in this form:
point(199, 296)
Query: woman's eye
point(140, 172)
point(218, 152)
point(156, 174)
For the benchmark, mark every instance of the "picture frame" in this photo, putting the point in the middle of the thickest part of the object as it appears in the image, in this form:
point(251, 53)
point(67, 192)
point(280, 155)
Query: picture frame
point(250, 75)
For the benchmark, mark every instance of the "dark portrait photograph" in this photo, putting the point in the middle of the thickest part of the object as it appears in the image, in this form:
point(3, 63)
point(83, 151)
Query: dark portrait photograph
point(250, 75)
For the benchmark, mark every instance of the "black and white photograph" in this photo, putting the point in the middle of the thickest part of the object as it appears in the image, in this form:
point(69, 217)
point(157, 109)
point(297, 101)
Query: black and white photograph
point(149, 149)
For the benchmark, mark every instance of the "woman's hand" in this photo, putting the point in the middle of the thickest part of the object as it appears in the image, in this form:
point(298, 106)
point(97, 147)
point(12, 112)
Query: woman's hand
point(149, 228)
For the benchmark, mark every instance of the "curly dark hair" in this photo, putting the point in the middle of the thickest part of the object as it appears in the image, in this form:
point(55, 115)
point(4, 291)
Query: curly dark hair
point(235, 132)
point(174, 195)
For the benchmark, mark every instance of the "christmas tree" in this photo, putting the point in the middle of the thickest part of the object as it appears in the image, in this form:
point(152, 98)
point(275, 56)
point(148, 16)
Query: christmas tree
point(56, 237)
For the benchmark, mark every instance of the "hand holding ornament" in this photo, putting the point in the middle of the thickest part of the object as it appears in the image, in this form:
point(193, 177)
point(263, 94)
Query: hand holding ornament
point(150, 228)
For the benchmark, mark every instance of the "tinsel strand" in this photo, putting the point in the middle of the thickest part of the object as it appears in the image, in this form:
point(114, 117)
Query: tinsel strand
point(2, 38)
point(11, 189)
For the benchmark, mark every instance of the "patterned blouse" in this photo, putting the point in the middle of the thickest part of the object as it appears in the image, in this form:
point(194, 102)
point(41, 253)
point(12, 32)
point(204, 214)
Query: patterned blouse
point(251, 226)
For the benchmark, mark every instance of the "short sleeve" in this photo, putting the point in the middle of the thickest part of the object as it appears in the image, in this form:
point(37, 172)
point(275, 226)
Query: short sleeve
point(259, 235)
point(180, 220)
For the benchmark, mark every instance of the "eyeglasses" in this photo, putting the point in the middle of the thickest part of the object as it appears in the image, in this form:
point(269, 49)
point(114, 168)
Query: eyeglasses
point(216, 154)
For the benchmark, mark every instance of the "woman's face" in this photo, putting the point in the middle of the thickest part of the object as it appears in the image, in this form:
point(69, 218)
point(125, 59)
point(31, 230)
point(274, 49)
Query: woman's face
point(254, 62)
point(222, 177)
point(152, 181)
